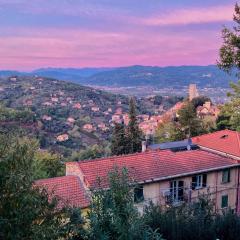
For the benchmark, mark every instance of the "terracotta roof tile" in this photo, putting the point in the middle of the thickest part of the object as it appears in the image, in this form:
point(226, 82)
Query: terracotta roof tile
point(68, 188)
point(226, 141)
point(154, 165)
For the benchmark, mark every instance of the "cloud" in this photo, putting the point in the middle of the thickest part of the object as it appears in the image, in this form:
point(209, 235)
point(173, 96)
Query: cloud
point(191, 16)
point(34, 48)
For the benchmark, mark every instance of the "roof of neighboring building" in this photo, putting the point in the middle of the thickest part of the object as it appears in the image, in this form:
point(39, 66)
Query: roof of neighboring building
point(69, 189)
point(173, 145)
point(225, 141)
point(154, 165)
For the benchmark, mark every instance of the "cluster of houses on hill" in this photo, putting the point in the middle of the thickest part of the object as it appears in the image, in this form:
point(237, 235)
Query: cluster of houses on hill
point(167, 174)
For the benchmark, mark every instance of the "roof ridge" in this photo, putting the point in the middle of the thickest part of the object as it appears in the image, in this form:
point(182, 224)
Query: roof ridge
point(206, 134)
point(120, 156)
point(59, 177)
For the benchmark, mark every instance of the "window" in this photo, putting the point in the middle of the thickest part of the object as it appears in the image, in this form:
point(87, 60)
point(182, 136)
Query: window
point(176, 189)
point(199, 181)
point(226, 176)
point(138, 194)
point(224, 203)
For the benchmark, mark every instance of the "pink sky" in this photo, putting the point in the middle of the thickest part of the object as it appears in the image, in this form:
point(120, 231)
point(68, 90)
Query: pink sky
point(184, 36)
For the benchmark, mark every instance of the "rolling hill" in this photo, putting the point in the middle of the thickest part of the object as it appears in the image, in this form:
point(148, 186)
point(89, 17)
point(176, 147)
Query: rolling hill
point(203, 76)
point(64, 116)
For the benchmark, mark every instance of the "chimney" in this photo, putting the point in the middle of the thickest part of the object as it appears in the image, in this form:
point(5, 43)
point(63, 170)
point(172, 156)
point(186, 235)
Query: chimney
point(189, 144)
point(144, 146)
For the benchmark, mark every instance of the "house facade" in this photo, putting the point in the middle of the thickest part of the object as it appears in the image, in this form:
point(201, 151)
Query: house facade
point(167, 177)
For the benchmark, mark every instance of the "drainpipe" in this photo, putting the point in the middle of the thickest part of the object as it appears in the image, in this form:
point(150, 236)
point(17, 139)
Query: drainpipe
point(216, 191)
point(238, 193)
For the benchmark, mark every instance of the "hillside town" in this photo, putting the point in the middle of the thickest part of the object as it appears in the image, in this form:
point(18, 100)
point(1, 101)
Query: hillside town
point(120, 120)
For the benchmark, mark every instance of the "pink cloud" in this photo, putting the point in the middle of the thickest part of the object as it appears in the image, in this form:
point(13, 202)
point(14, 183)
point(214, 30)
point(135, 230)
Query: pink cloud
point(192, 16)
point(30, 48)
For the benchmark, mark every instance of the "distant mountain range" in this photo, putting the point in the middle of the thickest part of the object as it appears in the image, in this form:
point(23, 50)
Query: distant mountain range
point(203, 76)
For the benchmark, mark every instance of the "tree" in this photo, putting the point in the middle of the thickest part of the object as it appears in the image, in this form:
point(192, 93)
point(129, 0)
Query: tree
point(189, 121)
point(113, 214)
point(95, 151)
point(134, 134)
point(47, 165)
point(119, 141)
point(230, 63)
point(168, 132)
point(26, 212)
point(199, 101)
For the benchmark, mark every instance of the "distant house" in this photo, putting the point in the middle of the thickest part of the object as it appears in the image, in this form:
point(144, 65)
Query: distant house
point(13, 79)
point(77, 106)
point(28, 102)
point(46, 118)
point(208, 110)
point(126, 119)
point(47, 104)
point(54, 99)
point(103, 126)
point(116, 118)
point(62, 138)
point(63, 104)
point(88, 127)
point(71, 120)
point(119, 111)
point(95, 109)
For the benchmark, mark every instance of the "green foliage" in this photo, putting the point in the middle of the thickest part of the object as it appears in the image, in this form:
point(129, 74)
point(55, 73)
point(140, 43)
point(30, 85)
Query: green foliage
point(195, 221)
point(95, 151)
point(47, 165)
point(119, 144)
point(113, 214)
point(229, 52)
point(134, 134)
point(26, 212)
point(12, 115)
point(199, 101)
point(230, 62)
point(230, 115)
point(189, 121)
point(168, 132)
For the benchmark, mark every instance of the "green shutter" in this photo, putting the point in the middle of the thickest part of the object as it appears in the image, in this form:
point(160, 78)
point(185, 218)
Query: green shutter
point(224, 203)
point(204, 184)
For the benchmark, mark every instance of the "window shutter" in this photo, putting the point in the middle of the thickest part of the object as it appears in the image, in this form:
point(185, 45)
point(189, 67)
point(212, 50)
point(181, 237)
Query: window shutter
point(229, 177)
point(194, 182)
point(180, 190)
point(204, 184)
point(171, 187)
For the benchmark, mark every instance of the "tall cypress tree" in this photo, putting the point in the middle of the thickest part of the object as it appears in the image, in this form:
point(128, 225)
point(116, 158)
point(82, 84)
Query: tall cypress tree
point(134, 134)
point(118, 142)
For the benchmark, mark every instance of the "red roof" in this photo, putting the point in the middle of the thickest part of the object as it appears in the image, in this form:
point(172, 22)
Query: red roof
point(154, 165)
point(226, 141)
point(68, 188)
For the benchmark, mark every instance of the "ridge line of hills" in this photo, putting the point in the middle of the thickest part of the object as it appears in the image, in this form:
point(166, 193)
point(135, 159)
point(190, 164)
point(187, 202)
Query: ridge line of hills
point(171, 76)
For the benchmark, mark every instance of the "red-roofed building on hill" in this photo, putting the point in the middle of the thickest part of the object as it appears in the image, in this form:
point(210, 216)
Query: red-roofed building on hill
point(164, 177)
point(224, 142)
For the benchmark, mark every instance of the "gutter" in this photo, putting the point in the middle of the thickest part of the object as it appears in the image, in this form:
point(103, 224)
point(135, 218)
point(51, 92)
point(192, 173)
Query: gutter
point(220, 153)
point(189, 174)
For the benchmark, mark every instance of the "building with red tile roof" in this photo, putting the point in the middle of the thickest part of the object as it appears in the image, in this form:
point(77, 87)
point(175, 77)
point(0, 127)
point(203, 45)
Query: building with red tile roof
point(69, 190)
point(162, 174)
point(151, 166)
point(225, 141)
